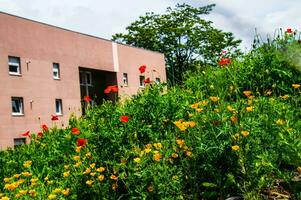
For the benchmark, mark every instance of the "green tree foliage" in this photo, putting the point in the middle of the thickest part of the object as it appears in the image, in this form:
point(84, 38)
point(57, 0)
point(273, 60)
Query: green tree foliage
point(183, 35)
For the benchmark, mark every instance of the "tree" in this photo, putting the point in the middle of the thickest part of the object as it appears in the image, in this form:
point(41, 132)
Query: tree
point(185, 38)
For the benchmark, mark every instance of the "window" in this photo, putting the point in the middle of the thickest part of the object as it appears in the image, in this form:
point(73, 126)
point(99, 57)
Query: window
point(158, 80)
point(14, 65)
point(125, 79)
point(19, 141)
point(56, 71)
point(58, 107)
point(142, 81)
point(85, 78)
point(17, 106)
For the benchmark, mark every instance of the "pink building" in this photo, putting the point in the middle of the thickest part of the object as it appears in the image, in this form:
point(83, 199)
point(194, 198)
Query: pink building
point(47, 70)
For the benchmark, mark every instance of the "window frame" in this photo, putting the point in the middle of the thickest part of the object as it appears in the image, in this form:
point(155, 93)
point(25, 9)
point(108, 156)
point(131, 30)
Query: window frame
point(158, 80)
point(19, 142)
point(21, 106)
point(18, 65)
point(143, 84)
point(125, 79)
point(58, 77)
point(60, 104)
point(83, 78)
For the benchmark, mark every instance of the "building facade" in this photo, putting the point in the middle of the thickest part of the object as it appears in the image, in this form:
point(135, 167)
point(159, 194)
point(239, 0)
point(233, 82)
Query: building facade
point(47, 70)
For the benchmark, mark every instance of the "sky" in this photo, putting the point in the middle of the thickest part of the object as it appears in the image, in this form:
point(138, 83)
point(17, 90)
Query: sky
point(104, 18)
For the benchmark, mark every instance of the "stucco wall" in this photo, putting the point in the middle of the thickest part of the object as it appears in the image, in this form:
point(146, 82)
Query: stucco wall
point(43, 45)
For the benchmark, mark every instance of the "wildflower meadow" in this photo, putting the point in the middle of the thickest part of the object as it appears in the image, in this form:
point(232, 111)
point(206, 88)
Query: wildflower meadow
point(230, 130)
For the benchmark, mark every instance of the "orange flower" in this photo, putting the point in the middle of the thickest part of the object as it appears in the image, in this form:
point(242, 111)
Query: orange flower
point(75, 131)
point(233, 119)
point(214, 99)
point(174, 155)
point(150, 188)
point(245, 133)
point(180, 142)
point(247, 93)
point(114, 186)
point(113, 177)
point(295, 86)
point(195, 105)
point(157, 157)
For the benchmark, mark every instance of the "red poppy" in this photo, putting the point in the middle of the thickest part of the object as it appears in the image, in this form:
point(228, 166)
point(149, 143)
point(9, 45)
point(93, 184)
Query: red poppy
point(44, 127)
point(124, 118)
point(81, 142)
point(289, 30)
point(224, 62)
point(75, 131)
point(147, 80)
point(114, 88)
point(54, 117)
point(111, 88)
point(40, 134)
point(26, 134)
point(87, 99)
point(142, 69)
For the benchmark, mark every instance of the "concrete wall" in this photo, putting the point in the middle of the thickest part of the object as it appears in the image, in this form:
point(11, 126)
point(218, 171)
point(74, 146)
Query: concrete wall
point(42, 45)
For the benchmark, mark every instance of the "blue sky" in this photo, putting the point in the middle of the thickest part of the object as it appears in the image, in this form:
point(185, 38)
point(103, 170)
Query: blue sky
point(104, 18)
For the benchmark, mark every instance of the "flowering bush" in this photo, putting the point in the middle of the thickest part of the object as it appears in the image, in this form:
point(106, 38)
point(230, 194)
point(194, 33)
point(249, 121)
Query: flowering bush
point(227, 131)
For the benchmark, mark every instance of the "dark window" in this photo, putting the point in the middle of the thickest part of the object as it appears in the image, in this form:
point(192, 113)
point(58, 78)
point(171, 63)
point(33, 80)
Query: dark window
point(17, 106)
point(14, 65)
point(56, 70)
point(142, 78)
point(125, 79)
point(58, 107)
point(19, 141)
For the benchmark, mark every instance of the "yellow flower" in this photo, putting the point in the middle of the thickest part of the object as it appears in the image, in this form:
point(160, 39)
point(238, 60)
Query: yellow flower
point(27, 163)
point(113, 177)
point(78, 149)
point(52, 196)
point(195, 105)
point(87, 171)
point(76, 158)
point(26, 174)
point(249, 102)
point(66, 191)
point(245, 133)
point(66, 167)
point(157, 157)
point(280, 122)
point(174, 155)
point(88, 154)
point(101, 177)
point(191, 124)
point(249, 108)
point(32, 192)
point(214, 99)
point(284, 97)
point(216, 110)
point(11, 186)
point(6, 179)
point(150, 188)
point(180, 142)
point(19, 182)
point(92, 173)
point(46, 178)
point(295, 86)
point(101, 169)
point(66, 174)
point(268, 92)
point(229, 108)
point(190, 114)
point(137, 160)
point(148, 146)
point(78, 164)
point(204, 103)
point(158, 145)
point(57, 190)
point(199, 110)
point(22, 192)
point(188, 153)
point(247, 93)
point(17, 175)
point(299, 169)
point(147, 150)
point(18, 195)
point(92, 165)
point(49, 182)
point(89, 183)
point(5, 198)
point(235, 148)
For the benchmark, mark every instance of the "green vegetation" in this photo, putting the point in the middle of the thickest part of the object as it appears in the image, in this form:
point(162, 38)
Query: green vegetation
point(227, 131)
